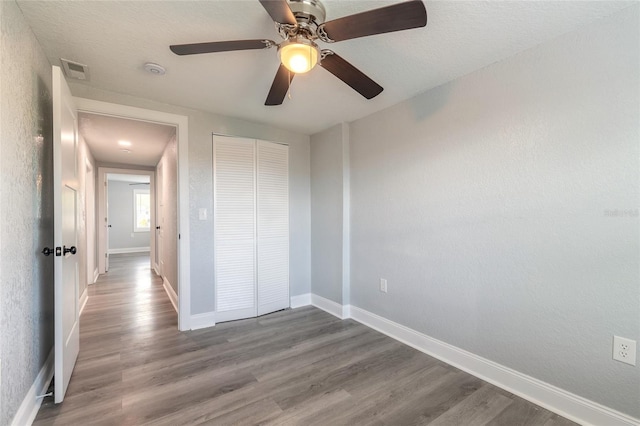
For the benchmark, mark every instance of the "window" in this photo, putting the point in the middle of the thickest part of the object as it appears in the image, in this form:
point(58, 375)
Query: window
point(141, 210)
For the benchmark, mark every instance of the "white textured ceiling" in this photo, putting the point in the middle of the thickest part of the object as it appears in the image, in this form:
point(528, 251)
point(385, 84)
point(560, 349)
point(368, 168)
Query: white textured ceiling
point(102, 134)
point(116, 38)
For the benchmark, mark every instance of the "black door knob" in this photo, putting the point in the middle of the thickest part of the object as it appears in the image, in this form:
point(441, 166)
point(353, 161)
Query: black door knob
point(71, 250)
point(47, 251)
point(157, 227)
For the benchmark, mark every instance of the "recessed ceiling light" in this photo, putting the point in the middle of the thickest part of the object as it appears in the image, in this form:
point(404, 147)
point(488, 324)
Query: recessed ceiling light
point(154, 68)
point(124, 143)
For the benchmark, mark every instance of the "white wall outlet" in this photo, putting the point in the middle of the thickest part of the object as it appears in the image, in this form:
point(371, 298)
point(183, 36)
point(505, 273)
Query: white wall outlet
point(202, 213)
point(383, 285)
point(624, 350)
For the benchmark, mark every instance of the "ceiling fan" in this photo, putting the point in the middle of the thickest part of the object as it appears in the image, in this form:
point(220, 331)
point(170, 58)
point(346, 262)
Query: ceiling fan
point(301, 23)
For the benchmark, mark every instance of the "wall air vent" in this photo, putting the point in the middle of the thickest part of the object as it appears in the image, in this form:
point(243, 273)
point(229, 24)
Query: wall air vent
point(75, 70)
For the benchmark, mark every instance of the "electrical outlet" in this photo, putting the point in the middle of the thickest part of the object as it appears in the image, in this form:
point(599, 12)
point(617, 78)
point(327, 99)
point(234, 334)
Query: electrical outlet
point(383, 285)
point(624, 350)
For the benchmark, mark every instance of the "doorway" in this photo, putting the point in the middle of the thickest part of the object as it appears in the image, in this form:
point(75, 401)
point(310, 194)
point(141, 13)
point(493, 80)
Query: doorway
point(180, 184)
point(125, 214)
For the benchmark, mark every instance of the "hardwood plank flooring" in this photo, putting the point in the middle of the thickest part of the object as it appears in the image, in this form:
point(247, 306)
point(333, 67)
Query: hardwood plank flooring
point(293, 367)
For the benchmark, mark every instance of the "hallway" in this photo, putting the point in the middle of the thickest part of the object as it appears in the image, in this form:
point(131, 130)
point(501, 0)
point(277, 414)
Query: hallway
point(128, 322)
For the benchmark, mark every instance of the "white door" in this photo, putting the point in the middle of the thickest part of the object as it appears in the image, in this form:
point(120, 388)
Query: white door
point(65, 178)
point(273, 227)
point(235, 228)
point(160, 220)
point(106, 224)
point(251, 225)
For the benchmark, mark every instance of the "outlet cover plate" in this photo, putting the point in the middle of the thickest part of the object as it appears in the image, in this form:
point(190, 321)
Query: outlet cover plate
point(624, 350)
point(383, 285)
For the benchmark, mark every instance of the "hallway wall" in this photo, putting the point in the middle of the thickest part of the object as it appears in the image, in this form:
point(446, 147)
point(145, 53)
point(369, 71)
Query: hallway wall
point(26, 209)
point(169, 223)
point(121, 234)
point(84, 157)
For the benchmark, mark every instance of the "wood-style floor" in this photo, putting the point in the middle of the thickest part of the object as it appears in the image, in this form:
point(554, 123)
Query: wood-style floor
point(300, 366)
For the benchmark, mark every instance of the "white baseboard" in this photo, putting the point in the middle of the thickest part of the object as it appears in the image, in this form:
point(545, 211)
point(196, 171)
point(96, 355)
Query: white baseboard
point(96, 274)
point(84, 297)
point(156, 269)
point(129, 250)
point(566, 404)
point(31, 403)
point(207, 319)
point(173, 297)
point(329, 306)
point(300, 300)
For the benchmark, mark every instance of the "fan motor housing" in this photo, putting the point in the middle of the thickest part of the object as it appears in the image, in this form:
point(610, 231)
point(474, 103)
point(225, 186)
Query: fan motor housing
point(308, 11)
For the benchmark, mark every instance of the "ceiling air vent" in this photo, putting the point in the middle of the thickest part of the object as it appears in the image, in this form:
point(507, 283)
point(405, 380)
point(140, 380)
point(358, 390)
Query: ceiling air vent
point(75, 70)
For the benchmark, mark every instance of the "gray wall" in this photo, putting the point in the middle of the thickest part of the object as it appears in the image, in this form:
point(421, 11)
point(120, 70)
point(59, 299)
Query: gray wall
point(121, 235)
point(327, 165)
point(26, 210)
point(201, 125)
point(169, 180)
point(84, 157)
point(503, 210)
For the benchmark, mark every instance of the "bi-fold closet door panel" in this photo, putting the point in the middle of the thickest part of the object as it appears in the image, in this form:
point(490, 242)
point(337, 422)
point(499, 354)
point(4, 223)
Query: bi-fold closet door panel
point(235, 228)
point(273, 227)
point(251, 226)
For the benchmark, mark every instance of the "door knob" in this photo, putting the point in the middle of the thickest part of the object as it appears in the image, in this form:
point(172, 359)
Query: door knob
point(157, 227)
point(71, 249)
point(47, 251)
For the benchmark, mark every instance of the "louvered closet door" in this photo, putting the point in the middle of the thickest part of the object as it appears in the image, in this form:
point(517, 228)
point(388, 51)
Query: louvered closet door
point(235, 229)
point(273, 227)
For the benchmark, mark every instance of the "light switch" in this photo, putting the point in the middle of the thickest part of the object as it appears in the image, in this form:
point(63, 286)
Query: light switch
point(202, 214)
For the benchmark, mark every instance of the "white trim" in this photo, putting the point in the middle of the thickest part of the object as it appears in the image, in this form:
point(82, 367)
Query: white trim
point(300, 300)
point(31, 403)
point(173, 297)
point(182, 133)
point(84, 298)
point(129, 250)
point(155, 269)
point(566, 404)
point(329, 306)
point(207, 319)
point(96, 274)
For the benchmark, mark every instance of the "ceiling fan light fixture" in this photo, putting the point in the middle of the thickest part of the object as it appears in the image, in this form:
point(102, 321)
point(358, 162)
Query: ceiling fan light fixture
point(298, 54)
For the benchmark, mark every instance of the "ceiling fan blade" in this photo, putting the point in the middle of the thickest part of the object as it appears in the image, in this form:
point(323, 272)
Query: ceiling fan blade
point(397, 17)
point(220, 46)
point(280, 86)
point(350, 75)
point(279, 11)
